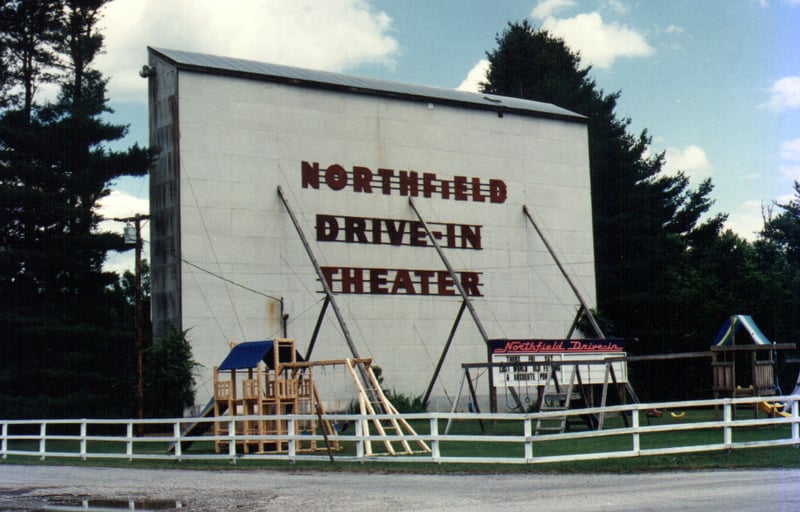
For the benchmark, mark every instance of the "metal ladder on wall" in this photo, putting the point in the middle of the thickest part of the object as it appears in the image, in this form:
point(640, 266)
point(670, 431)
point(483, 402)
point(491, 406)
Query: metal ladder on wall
point(555, 398)
point(373, 402)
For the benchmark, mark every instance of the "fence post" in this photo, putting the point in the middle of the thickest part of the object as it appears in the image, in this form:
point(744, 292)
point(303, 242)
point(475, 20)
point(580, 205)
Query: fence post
point(42, 440)
point(795, 425)
point(527, 427)
point(290, 431)
point(84, 430)
point(176, 431)
point(435, 454)
point(129, 442)
point(360, 439)
point(727, 430)
point(635, 423)
point(5, 441)
point(232, 440)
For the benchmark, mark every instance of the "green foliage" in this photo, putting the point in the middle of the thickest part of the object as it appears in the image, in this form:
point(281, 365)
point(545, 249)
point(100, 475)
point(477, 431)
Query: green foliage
point(406, 404)
point(64, 361)
point(668, 274)
point(402, 402)
point(67, 335)
point(169, 375)
point(778, 250)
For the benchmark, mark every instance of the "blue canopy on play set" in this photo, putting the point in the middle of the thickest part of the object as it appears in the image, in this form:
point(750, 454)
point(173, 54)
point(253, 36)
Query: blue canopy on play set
point(733, 324)
point(250, 353)
point(246, 355)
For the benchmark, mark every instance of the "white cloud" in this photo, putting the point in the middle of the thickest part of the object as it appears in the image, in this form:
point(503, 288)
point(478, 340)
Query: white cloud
point(747, 220)
point(599, 43)
point(791, 172)
point(618, 6)
point(790, 150)
point(692, 160)
point(547, 8)
point(785, 93)
point(790, 159)
point(119, 204)
point(333, 35)
point(674, 29)
point(475, 76)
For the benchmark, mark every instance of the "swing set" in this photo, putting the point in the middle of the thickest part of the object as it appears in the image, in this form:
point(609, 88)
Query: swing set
point(559, 385)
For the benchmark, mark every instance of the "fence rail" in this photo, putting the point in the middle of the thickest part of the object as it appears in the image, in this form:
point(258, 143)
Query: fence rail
point(724, 424)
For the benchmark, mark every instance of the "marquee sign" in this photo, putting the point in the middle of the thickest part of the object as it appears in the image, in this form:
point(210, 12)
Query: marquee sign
point(591, 346)
point(529, 362)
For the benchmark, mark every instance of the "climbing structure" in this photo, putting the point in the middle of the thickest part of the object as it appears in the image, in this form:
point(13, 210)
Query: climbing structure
point(267, 379)
point(372, 402)
point(262, 381)
point(727, 379)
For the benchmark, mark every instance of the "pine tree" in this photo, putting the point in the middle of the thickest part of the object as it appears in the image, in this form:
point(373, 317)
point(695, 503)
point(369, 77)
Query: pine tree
point(778, 248)
point(66, 347)
point(643, 218)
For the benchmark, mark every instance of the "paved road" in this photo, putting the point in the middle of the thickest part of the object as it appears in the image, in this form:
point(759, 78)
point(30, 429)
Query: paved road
point(31, 487)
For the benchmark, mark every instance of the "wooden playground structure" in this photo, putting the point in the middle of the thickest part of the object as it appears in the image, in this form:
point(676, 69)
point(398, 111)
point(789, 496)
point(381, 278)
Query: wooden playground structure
point(260, 382)
point(761, 355)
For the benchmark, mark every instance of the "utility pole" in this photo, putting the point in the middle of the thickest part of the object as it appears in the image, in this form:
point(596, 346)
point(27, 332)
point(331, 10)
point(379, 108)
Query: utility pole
point(133, 234)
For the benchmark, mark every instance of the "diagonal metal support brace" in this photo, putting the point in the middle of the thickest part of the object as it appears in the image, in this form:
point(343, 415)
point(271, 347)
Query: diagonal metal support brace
point(585, 307)
point(330, 299)
point(452, 273)
point(466, 303)
point(445, 350)
point(317, 327)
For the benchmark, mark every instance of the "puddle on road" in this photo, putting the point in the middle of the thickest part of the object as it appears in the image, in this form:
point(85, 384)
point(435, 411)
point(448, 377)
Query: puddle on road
point(108, 505)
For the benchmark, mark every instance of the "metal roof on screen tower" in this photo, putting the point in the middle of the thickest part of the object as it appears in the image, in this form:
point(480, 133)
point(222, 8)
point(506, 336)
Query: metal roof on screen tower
point(254, 70)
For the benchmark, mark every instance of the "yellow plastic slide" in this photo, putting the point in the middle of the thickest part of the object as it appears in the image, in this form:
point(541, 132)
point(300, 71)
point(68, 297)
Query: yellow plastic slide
point(771, 408)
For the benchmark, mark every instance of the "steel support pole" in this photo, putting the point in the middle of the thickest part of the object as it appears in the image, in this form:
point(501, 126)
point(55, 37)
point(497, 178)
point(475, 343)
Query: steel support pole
point(585, 306)
point(453, 275)
point(317, 327)
point(330, 299)
point(446, 349)
point(325, 286)
point(464, 296)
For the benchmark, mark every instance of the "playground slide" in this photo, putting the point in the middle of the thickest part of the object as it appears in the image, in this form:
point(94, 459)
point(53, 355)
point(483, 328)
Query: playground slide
point(773, 408)
point(197, 428)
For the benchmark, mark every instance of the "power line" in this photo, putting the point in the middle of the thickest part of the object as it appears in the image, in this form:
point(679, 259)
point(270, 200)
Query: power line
point(223, 278)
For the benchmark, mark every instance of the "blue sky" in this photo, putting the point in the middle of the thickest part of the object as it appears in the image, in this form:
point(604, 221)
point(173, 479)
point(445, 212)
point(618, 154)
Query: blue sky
point(716, 83)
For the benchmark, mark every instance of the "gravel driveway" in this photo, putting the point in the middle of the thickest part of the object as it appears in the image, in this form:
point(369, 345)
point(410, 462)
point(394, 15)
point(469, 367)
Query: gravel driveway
point(51, 487)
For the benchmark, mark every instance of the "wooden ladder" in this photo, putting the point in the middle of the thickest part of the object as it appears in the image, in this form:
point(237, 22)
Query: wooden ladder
point(555, 398)
point(611, 378)
point(373, 402)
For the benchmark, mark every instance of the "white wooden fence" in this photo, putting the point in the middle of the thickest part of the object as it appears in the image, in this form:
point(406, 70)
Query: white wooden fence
point(735, 428)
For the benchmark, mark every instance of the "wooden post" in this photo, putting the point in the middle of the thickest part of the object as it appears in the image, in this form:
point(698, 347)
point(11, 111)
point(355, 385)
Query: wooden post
point(138, 326)
point(137, 322)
